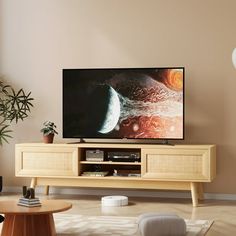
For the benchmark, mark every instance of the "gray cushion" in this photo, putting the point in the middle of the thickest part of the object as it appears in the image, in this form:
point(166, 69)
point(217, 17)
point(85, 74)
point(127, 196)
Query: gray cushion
point(150, 214)
point(159, 224)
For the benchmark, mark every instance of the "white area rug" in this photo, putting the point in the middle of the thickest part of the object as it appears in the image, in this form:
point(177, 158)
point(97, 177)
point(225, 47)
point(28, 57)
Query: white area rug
point(78, 225)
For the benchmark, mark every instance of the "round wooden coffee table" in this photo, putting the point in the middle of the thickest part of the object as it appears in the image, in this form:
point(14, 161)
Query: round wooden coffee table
point(37, 221)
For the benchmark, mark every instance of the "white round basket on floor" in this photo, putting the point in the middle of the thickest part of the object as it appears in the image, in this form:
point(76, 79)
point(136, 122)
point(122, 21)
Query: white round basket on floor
point(115, 201)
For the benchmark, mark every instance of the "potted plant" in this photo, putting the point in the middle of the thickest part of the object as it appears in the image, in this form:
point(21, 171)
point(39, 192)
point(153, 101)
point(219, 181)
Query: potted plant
point(49, 130)
point(14, 106)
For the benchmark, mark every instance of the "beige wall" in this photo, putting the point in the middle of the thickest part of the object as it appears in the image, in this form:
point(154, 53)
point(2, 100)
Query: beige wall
point(39, 38)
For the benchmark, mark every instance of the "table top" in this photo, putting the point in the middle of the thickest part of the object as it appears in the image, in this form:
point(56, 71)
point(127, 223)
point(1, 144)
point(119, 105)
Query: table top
point(48, 206)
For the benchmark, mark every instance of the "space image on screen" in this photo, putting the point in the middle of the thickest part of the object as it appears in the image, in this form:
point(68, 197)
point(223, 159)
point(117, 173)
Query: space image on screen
point(131, 103)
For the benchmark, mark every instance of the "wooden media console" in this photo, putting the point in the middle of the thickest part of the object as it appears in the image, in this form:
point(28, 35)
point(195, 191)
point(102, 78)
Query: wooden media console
point(166, 167)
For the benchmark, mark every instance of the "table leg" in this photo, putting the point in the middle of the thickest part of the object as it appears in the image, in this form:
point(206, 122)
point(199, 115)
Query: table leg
point(200, 191)
point(33, 182)
point(28, 225)
point(194, 192)
point(47, 190)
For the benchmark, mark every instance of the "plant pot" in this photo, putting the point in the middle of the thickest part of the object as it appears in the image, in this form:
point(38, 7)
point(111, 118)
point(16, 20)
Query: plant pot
point(48, 138)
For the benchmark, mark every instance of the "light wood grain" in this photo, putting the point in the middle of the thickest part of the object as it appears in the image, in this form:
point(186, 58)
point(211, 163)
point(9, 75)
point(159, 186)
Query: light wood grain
point(47, 190)
point(174, 167)
point(33, 182)
point(47, 158)
point(115, 182)
point(194, 193)
point(185, 164)
point(21, 225)
point(26, 221)
point(48, 206)
point(111, 163)
point(200, 191)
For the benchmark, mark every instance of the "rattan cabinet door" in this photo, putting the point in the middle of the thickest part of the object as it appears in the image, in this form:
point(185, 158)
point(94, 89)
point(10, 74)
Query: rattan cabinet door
point(46, 160)
point(178, 164)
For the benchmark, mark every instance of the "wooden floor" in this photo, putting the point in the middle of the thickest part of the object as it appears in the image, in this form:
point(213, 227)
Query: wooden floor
point(222, 212)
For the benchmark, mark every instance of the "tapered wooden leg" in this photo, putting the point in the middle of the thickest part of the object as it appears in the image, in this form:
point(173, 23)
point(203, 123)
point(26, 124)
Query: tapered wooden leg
point(194, 192)
point(28, 225)
point(194, 213)
point(200, 191)
point(47, 190)
point(33, 182)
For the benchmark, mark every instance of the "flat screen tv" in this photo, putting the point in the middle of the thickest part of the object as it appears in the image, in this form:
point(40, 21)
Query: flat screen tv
point(127, 103)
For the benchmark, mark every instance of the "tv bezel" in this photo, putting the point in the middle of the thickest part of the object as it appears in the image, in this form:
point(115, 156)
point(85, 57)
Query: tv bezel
point(124, 139)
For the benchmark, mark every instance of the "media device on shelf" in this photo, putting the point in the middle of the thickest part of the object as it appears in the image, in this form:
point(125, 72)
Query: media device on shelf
point(123, 103)
point(124, 156)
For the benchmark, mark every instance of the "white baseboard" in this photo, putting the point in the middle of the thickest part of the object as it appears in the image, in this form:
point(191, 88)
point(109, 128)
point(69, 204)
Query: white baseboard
point(130, 193)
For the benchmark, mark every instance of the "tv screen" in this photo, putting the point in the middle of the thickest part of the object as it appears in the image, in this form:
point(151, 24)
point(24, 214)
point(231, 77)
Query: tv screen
point(131, 103)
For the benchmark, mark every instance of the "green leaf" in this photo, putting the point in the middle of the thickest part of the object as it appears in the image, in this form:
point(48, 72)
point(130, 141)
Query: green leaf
point(14, 106)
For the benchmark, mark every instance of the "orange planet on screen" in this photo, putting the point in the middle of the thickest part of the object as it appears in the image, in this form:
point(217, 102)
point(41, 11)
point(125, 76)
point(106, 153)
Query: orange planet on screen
point(174, 79)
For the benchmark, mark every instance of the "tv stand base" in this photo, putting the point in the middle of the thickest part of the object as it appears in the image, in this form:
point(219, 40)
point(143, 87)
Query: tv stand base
point(196, 188)
point(166, 142)
point(81, 140)
point(163, 167)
